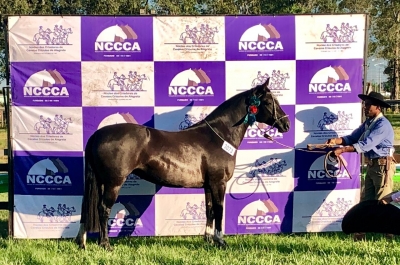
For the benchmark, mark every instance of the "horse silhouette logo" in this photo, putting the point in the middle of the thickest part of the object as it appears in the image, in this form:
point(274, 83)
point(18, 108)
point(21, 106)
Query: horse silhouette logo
point(330, 79)
point(117, 118)
point(57, 125)
point(45, 78)
point(48, 167)
point(259, 208)
point(330, 75)
point(334, 209)
point(260, 32)
point(117, 33)
point(277, 80)
point(194, 211)
point(117, 38)
point(344, 34)
point(57, 36)
point(133, 81)
point(192, 82)
point(204, 35)
point(317, 171)
point(190, 77)
point(62, 214)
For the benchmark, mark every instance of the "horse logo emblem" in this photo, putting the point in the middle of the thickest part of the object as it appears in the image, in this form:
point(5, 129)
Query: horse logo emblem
point(48, 171)
point(57, 36)
point(194, 211)
point(117, 38)
point(62, 214)
point(46, 83)
point(117, 118)
point(260, 37)
point(188, 83)
point(326, 80)
point(57, 126)
point(334, 209)
point(48, 167)
point(259, 208)
point(343, 35)
point(190, 120)
point(132, 82)
point(277, 80)
point(204, 35)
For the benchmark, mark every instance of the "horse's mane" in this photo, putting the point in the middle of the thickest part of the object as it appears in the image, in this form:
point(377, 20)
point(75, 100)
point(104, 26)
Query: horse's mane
point(233, 102)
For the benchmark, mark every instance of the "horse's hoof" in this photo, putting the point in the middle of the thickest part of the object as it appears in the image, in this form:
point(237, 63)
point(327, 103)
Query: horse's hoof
point(209, 239)
point(80, 244)
point(221, 243)
point(106, 246)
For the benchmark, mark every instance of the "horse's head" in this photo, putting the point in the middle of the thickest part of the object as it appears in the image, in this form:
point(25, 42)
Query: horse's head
point(332, 74)
point(269, 110)
point(262, 31)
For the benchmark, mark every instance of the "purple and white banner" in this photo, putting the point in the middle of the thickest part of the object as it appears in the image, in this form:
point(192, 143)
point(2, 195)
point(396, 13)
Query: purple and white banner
point(47, 84)
point(117, 39)
point(260, 38)
point(71, 76)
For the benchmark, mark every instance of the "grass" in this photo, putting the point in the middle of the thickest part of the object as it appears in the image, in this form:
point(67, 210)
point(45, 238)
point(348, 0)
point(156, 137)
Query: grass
point(306, 248)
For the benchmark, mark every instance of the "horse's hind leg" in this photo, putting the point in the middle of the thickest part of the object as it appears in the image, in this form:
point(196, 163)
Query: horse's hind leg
point(218, 196)
point(209, 216)
point(108, 199)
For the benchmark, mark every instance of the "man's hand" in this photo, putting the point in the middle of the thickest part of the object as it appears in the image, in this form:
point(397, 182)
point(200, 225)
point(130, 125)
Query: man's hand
point(338, 151)
point(331, 141)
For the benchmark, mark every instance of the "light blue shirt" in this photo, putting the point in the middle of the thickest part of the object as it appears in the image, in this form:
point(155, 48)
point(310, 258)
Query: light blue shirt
point(378, 143)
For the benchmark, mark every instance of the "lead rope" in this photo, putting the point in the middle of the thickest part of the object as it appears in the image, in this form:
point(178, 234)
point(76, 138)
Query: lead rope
point(328, 156)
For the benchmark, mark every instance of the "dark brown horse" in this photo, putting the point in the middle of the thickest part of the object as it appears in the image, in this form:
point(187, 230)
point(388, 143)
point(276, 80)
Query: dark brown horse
point(192, 158)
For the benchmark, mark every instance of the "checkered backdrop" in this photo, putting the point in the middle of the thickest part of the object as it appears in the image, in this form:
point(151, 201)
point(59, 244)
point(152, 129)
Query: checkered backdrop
point(73, 75)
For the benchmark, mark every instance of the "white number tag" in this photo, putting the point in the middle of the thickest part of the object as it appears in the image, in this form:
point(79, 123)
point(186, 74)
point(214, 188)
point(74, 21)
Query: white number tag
point(227, 147)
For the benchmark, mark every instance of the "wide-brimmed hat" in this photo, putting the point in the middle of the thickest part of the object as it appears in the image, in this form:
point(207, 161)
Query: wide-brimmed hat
point(376, 98)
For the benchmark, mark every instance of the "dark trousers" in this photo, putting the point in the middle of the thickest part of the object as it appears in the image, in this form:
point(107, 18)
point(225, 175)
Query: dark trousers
point(372, 216)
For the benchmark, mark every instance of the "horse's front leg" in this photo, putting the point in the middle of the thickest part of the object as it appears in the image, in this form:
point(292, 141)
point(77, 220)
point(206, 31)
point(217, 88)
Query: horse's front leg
point(218, 196)
point(208, 237)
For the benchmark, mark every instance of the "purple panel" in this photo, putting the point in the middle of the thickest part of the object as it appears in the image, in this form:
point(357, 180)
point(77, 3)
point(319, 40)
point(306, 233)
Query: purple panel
point(260, 38)
point(117, 39)
point(93, 116)
point(48, 173)
point(310, 174)
point(254, 139)
point(178, 83)
point(46, 84)
point(258, 213)
point(328, 81)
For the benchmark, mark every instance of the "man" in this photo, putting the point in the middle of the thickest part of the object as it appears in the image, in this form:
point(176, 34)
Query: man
point(375, 139)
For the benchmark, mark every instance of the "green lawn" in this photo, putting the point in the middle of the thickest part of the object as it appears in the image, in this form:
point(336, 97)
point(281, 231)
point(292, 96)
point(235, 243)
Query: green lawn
point(308, 248)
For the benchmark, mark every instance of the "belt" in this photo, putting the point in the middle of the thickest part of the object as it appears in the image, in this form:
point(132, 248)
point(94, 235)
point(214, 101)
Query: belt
point(382, 161)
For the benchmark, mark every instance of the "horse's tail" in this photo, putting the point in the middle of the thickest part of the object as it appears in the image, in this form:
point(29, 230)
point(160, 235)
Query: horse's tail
point(90, 212)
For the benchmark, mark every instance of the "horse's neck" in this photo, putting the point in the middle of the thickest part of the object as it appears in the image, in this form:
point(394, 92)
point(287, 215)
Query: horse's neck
point(225, 120)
